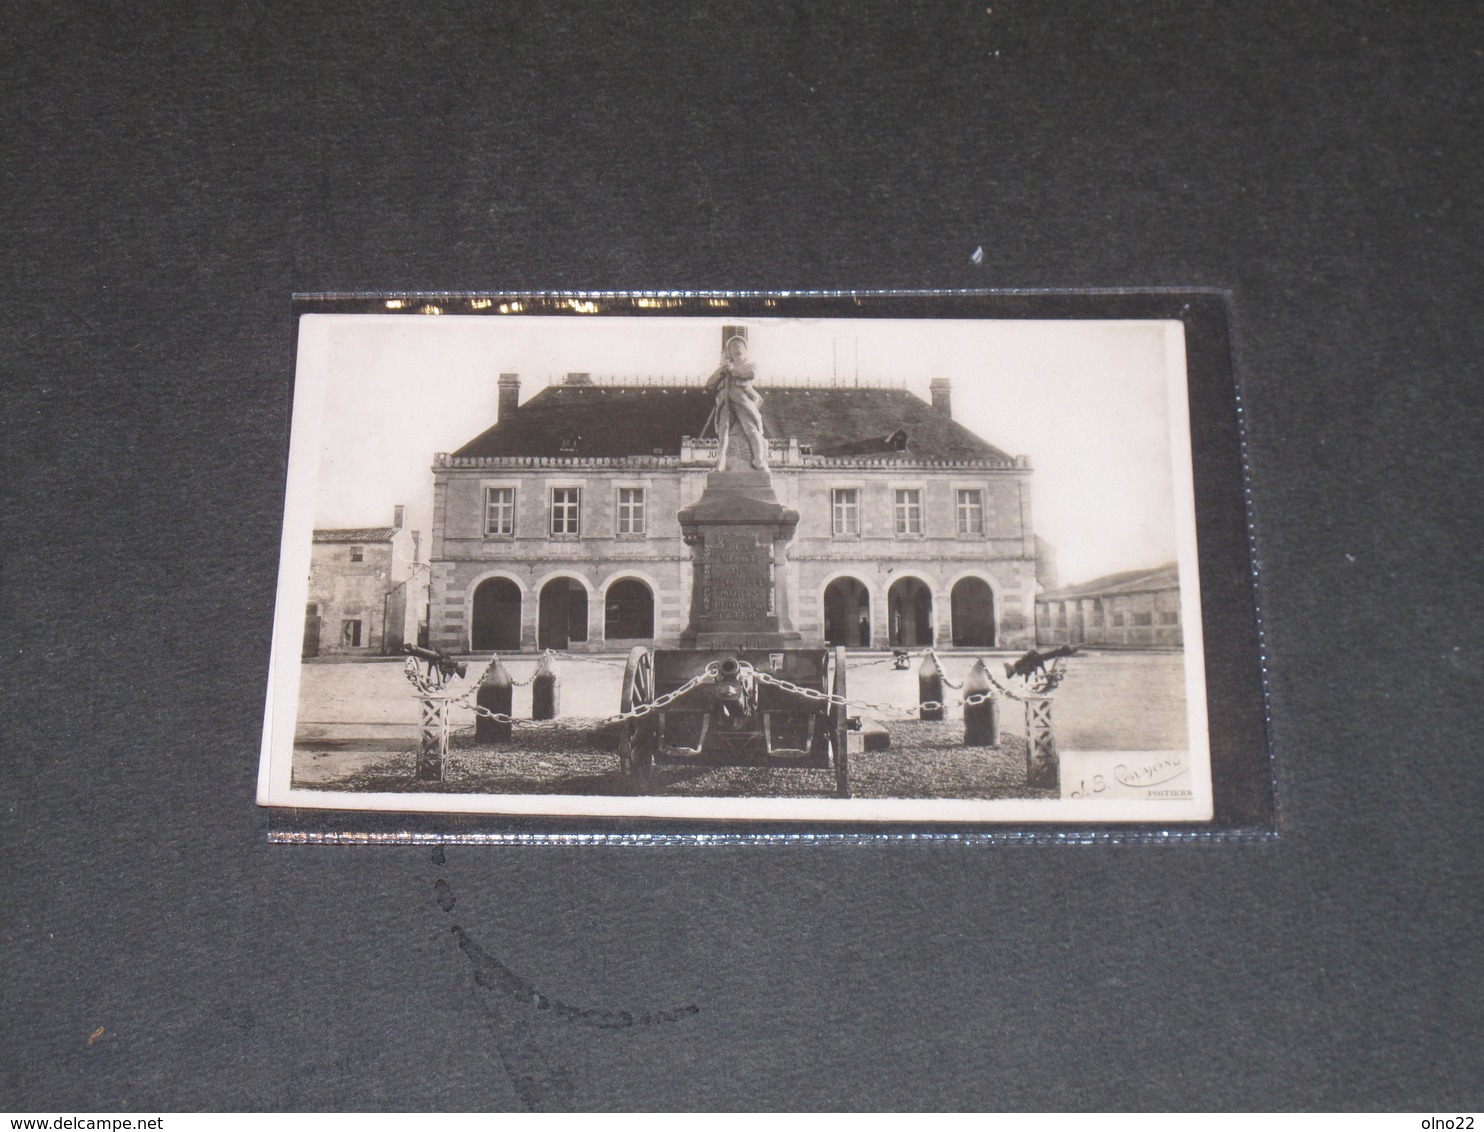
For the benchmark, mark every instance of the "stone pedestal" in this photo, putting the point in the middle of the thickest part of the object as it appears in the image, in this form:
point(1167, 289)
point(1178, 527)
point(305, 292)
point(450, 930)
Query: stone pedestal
point(738, 533)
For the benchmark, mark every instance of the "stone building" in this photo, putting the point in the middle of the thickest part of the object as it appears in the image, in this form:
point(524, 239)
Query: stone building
point(557, 528)
point(1134, 609)
point(368, 590)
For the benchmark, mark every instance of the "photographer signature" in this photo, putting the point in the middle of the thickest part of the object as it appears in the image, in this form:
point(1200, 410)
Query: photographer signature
point(1155, 773)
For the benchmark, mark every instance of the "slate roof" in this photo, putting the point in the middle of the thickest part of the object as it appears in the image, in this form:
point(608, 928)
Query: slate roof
point(619, 420)
point(355, 534)
point(1166, 577)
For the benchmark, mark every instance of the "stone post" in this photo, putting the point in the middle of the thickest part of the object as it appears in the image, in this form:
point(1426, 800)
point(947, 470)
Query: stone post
point(930, 689)
point(496, 693)
point(545, 690)
point(981, 720)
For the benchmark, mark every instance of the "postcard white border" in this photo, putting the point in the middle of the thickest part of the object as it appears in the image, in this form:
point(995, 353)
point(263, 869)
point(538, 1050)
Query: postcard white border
point(276, 756)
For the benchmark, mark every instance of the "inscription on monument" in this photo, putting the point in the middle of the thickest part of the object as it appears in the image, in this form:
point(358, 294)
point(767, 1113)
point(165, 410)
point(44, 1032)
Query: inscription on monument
point(737, 576)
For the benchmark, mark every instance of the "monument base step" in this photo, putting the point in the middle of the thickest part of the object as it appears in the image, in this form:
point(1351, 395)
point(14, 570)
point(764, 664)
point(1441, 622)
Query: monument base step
point(741, 641)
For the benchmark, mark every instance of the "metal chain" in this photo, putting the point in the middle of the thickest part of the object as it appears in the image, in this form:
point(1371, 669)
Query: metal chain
point(1058, 666)
point(636, 713)
point(498, 716)
point(943, 672)
point(1014, 695)
point(415, 677)
point(829, 697)
point(972, 700)
point(668, 698)
point(501, 717)
point(872, 663)
point(430, 691)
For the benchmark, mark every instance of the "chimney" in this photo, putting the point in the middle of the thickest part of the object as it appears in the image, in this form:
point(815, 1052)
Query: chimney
point(942, 390)
point(509, 393)
point(399, 512)
point(579, 379)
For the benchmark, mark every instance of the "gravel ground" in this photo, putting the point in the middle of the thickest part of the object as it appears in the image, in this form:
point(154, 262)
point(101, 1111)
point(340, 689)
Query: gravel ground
point(577, 756)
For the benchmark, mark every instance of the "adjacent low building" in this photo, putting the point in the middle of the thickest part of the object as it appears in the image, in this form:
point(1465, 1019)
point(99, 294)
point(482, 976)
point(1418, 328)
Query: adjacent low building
point(556, 527)
point(368, 590)
point(1134, 609)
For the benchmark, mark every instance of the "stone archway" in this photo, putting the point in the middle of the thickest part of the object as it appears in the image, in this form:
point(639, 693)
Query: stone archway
point(628, 611)
point(909, 613)
point(847, 613)
point(495, 624)
point(561, 614)
point(972, 606)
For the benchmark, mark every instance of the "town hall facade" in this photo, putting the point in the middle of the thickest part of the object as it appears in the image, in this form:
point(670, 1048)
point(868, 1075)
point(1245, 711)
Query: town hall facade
point(556, 527)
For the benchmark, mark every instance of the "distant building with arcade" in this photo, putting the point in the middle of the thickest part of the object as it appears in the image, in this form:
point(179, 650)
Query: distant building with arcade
point(556, 527)
point(1133, 609)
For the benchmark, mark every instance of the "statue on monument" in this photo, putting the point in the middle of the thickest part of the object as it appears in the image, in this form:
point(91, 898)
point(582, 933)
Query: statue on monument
point(738, 403)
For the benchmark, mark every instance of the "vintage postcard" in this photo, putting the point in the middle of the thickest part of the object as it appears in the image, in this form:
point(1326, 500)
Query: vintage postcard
point(629, 556)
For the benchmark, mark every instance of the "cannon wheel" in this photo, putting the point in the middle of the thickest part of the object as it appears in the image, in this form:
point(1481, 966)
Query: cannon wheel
point(635, 754)
point(839, 729)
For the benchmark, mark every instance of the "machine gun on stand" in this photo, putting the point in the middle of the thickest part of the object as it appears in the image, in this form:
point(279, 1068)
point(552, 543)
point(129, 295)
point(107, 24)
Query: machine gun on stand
point(445, 666)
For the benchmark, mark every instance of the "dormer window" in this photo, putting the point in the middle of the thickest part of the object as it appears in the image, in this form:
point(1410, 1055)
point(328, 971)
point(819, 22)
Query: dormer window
point(898, 440)
point(570, 441)
point(357, 553)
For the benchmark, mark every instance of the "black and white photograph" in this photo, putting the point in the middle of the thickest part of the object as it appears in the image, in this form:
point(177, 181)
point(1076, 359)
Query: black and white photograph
point(584, 560)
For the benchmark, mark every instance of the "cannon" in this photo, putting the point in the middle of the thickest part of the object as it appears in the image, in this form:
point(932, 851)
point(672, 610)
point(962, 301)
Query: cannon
point(764, 708)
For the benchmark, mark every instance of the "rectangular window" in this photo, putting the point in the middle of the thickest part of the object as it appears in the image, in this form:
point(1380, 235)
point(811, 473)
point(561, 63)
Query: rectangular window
point(909, 511)
point(564, 510)
point(970, 512)
point(847, 511)
point(350, 634)
point(1169, 617)
point(631, 510)
point(499, 511)
point(357, 553)
point(1116, 621)
point(1143, 619)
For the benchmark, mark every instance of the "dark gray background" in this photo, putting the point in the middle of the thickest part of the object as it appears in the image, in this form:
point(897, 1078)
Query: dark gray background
point(169, 180)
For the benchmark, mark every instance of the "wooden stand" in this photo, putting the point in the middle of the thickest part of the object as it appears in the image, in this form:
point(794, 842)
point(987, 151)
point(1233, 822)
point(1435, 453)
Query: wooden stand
point(1042, 768)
